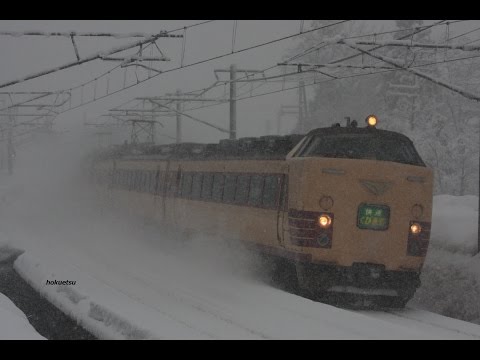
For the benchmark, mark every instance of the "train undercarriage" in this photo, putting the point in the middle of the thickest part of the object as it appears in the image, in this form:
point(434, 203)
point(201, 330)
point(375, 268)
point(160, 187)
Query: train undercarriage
point(361, 286)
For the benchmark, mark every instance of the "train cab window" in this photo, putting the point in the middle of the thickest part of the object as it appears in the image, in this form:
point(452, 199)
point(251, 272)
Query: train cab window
point(187, 179)
point(217, 192)
point(243, 185)
point(270, 191)
point(197, 185)
point(229, 188)
point(207, 186)
point(256, 189)
point(371, 146)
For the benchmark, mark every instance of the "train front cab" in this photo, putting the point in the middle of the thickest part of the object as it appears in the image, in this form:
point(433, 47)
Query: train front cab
point(360, 218)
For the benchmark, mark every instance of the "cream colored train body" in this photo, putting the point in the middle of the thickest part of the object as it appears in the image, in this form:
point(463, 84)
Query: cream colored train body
point(370, 186)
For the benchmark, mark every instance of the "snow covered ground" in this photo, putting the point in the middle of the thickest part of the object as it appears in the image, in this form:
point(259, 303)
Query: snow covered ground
point(451, 275)
point(132, 281)
point(454, 225)
point(175, 296)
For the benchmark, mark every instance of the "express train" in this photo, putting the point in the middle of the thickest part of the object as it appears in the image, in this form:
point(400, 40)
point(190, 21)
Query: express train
point(346, 210)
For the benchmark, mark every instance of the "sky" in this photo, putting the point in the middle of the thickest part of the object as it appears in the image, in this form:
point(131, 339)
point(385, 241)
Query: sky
point(258, 116)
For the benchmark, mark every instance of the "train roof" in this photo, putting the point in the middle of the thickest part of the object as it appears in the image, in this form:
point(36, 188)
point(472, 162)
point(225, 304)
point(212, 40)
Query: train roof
point(260, 148)
point(337, 130)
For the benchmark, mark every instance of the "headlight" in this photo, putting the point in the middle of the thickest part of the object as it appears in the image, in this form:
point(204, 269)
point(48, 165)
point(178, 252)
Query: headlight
point(415, 228)
point(371, 120)
point(324, 221)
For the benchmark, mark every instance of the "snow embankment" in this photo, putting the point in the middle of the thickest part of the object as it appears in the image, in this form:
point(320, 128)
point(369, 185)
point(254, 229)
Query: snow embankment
point(451, 274)
point(187, 300)
point(14, 324)
point(454, 223)
point(99, 308)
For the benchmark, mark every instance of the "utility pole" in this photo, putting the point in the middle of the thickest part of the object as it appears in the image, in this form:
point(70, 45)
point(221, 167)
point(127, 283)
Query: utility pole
point(300, 110)
point(233, 102)
point(179, 99)
point(268, 127)
point(302, 106)
point(179, 118)
point(2, 152)
point(233, 94)
point(10, 149)
point(286, 110)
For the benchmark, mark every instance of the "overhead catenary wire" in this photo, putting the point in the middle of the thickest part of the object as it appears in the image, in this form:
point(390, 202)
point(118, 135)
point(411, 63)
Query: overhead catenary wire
point(225, 55)
point(423, 28)
point(314, 29)
point(117, 66)
point(339, 78)
point(210, 59)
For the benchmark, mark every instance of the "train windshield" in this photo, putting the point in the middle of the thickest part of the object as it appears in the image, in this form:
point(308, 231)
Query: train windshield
point(362, 146)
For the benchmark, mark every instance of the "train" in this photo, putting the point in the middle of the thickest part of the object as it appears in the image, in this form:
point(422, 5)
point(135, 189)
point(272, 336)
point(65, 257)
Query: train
point(345, 211)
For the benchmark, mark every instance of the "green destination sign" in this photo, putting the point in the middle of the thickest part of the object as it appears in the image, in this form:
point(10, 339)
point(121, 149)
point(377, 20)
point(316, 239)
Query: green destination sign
point(375, 217)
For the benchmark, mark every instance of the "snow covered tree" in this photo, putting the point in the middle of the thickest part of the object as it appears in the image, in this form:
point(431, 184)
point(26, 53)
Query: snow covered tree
point(335, 99)
point(443, 124)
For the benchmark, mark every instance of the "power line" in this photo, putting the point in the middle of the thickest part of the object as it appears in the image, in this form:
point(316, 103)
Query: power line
point(204, 61)
point(316, 47)
point(88, 34)
point(338, 78)
point(117, 66)
point(216, 84)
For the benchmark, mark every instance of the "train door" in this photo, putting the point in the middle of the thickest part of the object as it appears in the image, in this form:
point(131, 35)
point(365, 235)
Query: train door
point(282, 213)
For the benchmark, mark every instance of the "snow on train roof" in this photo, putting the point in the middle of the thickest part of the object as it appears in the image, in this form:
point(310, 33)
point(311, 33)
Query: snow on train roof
point(270, 147)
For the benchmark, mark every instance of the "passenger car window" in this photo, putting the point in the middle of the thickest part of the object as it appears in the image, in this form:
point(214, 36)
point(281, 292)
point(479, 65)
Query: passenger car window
point(197, 185)
point(243, 185)
point(256, 189)
point(217, 192)
point(172, 183)
point(229, 189)
point(186, 184)
point(207, 186)
point(270, 191)
point(153, 182)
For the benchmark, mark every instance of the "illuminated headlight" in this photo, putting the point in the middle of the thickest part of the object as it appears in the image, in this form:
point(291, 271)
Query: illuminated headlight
point(415, 228)
point(371, 120)
point(324, 221)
